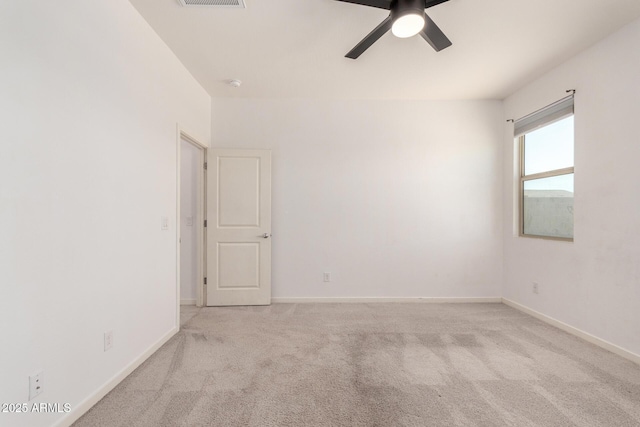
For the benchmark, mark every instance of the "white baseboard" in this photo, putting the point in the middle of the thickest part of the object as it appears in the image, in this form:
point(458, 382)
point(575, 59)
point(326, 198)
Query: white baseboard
point(374, 299)
point(575, 331)
point(80, 409)
point(188, 302)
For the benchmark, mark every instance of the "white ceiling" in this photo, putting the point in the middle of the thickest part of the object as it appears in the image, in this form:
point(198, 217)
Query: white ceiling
point(296, 48)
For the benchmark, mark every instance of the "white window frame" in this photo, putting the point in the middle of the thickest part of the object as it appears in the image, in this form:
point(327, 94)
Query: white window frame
point(541, 118)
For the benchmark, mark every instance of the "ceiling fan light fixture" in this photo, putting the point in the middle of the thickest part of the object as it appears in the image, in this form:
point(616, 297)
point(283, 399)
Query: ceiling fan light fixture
point(408, 25)
point(408, 17)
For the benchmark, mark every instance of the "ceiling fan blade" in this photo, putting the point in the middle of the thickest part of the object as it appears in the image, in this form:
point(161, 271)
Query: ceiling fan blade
point(431, 3)
point(373, 36)
point(434, 35)
point(382, 4)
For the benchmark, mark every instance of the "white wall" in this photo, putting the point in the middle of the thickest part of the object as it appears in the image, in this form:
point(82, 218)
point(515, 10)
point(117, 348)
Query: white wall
point(592, 284)
point(190, 166)
point(89, 106)
point(394, 198)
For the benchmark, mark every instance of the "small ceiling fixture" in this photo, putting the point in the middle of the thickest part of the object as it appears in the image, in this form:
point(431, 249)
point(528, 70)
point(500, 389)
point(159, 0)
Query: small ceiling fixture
point(234, 83)
point(407, 18)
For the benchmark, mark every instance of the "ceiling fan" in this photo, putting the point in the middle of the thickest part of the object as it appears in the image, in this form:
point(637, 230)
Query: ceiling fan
point(407, 18)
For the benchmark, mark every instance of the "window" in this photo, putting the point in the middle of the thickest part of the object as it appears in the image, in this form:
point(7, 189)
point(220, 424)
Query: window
point(546, 171)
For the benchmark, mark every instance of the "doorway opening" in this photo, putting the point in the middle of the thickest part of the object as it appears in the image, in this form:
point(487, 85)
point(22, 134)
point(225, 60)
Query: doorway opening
point(191, 217)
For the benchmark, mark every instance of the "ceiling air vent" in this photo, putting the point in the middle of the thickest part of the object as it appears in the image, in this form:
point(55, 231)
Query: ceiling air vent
point(214, 3)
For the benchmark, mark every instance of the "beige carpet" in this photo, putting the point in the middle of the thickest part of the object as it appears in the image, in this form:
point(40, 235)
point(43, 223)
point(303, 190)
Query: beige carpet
point(373, 365)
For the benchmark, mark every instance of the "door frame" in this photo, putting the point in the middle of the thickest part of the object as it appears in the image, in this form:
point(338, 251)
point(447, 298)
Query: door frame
point(200, 214)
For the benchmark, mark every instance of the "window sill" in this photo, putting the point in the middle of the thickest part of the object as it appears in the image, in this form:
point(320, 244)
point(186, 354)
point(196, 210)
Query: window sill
point(558, 239)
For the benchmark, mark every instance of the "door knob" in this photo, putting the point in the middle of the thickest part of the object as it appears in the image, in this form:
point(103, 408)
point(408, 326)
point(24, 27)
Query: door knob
point(266, 235)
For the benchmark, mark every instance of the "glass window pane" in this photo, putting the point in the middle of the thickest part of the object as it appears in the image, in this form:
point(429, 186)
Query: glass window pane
point(549, 148)
point(548, 206)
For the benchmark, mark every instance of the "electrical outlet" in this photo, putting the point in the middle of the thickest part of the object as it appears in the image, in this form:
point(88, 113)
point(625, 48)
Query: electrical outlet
point(534, 288)
point(36, 384)
point(164, 223)
point(326, 276)
point(108, 340)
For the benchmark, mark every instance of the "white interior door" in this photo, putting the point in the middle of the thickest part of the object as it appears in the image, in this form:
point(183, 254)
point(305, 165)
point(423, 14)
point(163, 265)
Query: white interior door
point(239, 227)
